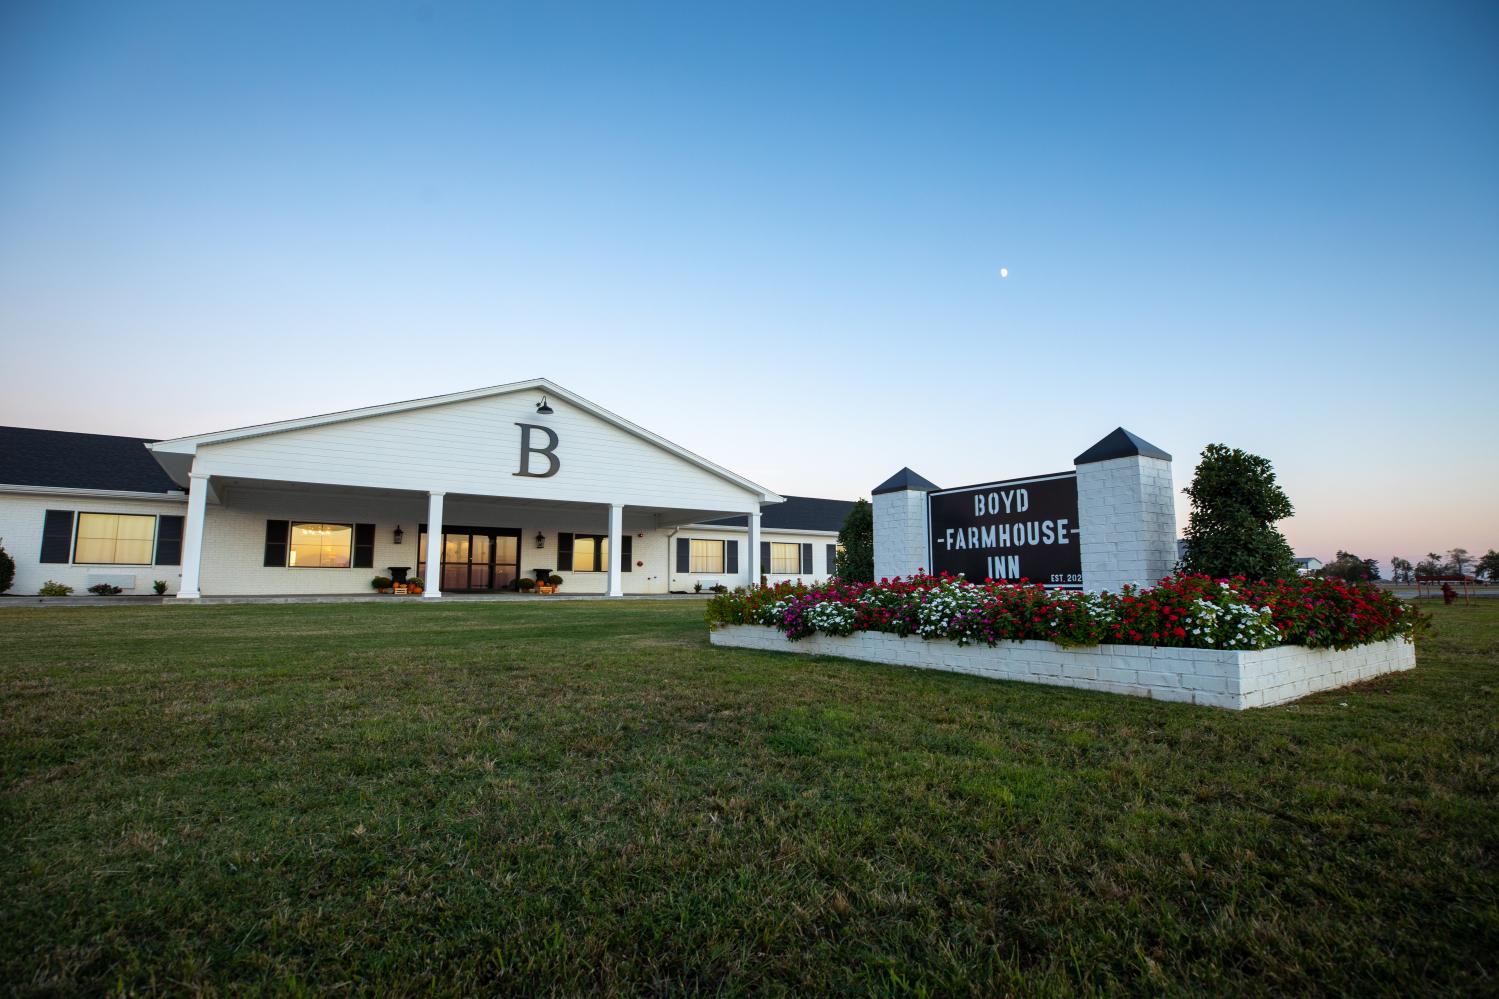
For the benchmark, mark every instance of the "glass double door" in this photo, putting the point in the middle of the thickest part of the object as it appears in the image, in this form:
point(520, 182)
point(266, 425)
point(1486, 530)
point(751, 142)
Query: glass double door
point(476, 559)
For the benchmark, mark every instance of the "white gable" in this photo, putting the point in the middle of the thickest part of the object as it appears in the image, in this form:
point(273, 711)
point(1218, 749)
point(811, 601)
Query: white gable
point(471, 443)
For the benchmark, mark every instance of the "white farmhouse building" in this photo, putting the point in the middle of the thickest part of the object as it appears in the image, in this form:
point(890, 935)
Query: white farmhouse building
point(516, 479)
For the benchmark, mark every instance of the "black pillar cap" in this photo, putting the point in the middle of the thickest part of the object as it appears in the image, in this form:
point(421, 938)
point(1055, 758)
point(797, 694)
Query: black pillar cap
point(1120, 444)
point(903, 480)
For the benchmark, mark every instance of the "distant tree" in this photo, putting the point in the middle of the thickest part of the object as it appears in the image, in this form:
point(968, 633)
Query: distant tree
point(1235, 505)
point(856, 544)
point(1429, 567)
point(1459, 558)
point(1489, 566)
point(1400, 569)
point(7, 569)
point(1352, 568)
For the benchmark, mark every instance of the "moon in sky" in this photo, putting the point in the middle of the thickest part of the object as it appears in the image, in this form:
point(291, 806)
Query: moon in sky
point(1004, 272)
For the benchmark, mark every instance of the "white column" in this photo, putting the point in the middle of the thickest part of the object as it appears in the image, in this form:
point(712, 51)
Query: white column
point(192, 536)
point(752, 558)
point(433, 580)
point(616, 523)
point(1126, 511)
point(901, 536)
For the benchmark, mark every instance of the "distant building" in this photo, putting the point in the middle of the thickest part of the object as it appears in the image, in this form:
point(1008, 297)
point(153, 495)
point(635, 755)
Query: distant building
point(1307, 566)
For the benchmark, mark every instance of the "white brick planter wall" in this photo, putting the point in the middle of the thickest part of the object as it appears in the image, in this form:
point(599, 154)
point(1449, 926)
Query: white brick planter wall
point(1215, 677)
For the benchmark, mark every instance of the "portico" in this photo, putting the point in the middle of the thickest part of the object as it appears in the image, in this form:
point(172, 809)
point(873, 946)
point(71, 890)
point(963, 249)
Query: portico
point(322, 504)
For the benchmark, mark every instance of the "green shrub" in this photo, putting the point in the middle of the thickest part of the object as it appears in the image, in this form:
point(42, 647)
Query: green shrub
point(526, 584)
point(7, 569)
point(160, 586)
point(53, 589)
point(381, 583)
point(1231, 532)
point(554, 580)
point(856, 545)
point(104, 589)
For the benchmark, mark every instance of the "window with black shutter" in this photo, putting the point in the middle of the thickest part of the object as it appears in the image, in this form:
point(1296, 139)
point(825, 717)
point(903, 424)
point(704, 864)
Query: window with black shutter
point(364, 546)
point(731, 556)
point(276, 532)
point(626, 553)
point(807, 559)
point(564, 551)
point(832, 560)
point(169, 540)
point(57, 536)
point(764, 558)
point(684, 554)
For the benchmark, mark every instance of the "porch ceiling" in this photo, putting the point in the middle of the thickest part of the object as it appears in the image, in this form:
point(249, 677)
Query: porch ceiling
point(224, 489)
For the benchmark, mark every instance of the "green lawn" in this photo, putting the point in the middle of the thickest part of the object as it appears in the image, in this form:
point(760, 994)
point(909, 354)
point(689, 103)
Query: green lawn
point(581, 797)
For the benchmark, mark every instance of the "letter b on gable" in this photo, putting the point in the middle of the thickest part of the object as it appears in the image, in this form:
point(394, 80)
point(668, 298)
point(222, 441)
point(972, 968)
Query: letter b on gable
point(527, 450)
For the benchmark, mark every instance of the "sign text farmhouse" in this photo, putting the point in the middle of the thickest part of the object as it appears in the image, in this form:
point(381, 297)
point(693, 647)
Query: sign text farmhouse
point(1016, 529)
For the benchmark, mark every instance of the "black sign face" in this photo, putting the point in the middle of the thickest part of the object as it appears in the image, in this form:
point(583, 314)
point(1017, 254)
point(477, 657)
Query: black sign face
point(1012, 530)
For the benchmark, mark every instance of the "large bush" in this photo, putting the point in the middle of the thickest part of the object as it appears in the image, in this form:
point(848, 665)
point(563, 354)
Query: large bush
point(1183, 612)
point(7, 569)
point(1235, 505)
point(856, 544)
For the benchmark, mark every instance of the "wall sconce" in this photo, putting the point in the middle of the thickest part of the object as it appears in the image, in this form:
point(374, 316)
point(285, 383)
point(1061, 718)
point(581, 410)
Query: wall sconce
point(398, 535)
point(541, 540)
point(542, 408)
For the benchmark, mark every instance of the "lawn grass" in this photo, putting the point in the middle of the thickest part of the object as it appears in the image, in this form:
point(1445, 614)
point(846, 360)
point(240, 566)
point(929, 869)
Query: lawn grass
point(586, 797)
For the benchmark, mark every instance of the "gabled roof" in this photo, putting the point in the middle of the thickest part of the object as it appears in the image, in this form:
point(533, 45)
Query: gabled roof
point(1120, 444)
point(60, 459)
point(798, 513)
point(903, 480)
point(189, 445)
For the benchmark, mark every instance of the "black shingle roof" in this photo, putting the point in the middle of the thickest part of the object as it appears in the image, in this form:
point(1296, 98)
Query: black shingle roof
point(79, 461)
point(798, 513)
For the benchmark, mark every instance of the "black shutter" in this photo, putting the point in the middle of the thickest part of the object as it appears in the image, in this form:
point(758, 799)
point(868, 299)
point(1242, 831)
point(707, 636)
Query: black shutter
point(731, 556)
point(564, 552)
point(807, 559)
point(832, 560)
point(364, 546)
point(169, 540)
point(764, 559)
point(276, 535)
point(626, 552)
point(684, 555)
point(57, 536)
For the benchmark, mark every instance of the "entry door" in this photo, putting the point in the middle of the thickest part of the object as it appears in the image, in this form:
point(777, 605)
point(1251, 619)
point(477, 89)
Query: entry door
point(476, 558)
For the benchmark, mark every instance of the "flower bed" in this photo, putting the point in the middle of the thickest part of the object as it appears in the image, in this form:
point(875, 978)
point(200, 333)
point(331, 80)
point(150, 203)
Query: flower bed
point(1180, 612)
point(1226, 643)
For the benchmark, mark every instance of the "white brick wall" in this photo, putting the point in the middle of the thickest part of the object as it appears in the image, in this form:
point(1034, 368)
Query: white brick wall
point(684, 581)
point(900, 533)
point(1214, 677)
point(21, 519)
point(1127, 516)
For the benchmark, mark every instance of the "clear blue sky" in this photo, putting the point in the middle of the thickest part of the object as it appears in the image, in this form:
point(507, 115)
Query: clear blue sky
point(773, 234)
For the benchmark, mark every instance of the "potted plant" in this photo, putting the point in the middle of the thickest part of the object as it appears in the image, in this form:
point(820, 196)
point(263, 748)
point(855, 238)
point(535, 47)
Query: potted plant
point(414, 586)
point(381, 583)
point(526, 584)
point(554, 581)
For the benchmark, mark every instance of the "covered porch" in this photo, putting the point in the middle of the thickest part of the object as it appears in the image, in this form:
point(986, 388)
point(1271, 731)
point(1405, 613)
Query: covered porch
point(266, 537)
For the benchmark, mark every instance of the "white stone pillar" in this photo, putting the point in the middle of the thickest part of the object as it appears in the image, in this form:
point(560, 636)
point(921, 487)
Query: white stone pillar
point(616, 525)
point(752, 557)
point(1126, 511)
point(432, 588)
point(901, 539)
point(192, 536)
